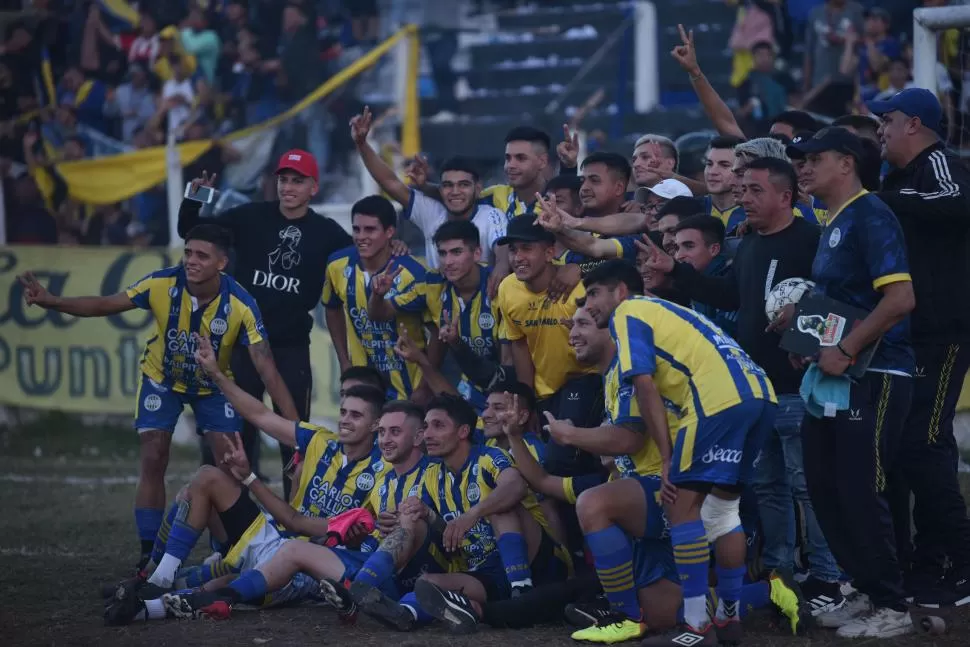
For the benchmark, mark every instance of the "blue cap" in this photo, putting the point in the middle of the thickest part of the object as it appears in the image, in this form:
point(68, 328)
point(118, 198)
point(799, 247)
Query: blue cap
point(912, 102)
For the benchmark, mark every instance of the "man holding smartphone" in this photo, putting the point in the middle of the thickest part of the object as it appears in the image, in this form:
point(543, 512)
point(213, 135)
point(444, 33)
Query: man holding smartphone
point(282, 249)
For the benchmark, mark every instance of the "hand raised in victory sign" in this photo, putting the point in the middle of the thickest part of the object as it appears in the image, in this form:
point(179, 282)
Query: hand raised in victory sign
point(205, 180)
point(205, 355)
point(448, 332)
point(418, 171)
point(34, 292)
point(509, 418)
point(552, 217)
point(405, 348)
point(685, 53)
point(568, 148)
point(360, 126)
point(656, 258)
point(236, 460)
point(382, 283)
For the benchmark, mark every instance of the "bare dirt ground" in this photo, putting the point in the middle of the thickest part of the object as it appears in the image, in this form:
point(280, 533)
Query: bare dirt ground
point(66, 528)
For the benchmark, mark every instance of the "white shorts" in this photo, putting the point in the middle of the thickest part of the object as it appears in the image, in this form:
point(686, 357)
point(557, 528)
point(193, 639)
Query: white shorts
point(256, 546)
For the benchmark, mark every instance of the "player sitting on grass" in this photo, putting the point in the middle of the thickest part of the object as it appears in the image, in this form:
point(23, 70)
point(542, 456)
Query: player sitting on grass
point(339, 471)
point(478, 503)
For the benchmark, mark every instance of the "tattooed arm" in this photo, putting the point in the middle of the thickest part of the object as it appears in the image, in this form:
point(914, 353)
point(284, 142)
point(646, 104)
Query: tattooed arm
point(262, 358)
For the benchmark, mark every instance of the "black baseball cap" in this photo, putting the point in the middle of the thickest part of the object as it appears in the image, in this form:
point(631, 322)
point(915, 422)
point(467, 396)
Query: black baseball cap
point(832, 138)
point(525, 229)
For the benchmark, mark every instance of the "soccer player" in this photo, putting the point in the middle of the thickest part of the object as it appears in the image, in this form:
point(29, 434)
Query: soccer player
point(460, 186)
point(707, 407)
point(861, 261)
point(526, 168)
point(189, 298)
point(350, 284)
point(719, 178)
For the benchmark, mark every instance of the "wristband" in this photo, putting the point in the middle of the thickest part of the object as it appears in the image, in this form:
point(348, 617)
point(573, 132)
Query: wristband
point(839, 346)
point(249, 479)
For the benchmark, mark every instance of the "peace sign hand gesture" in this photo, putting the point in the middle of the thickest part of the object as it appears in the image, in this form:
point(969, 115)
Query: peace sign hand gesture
point(448, 333)
point(205, 355)
point(360, 126)
point(405, 348)
point(382, 283)
point(656, 258)
point(508, 418)
point(685, 54)
point(236, 459)
point(552, 217)
point(568, 148)
point(34, 292)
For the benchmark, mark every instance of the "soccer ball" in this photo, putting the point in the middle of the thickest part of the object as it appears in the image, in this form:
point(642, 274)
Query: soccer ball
point(788, 291)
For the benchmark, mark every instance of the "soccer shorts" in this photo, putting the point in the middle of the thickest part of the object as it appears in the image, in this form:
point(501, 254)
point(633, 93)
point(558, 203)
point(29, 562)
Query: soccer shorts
point(653, 560)
point(551, 564)
point(657, 526)
point(256, 546)
point(159, 407)
point(721, 449)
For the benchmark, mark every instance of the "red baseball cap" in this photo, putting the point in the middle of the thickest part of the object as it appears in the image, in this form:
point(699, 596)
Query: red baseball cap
point(300, 161)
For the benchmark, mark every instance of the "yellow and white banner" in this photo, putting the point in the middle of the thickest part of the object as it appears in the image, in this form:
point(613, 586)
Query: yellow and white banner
point(50, 360)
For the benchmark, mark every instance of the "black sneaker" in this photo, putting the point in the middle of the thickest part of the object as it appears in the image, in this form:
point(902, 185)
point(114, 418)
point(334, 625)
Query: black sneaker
point(451, 607)
point(922, 582)
point(586, 614)
point(390, 613)
point(519, 591)
point(108, 590)
point(337, 595)
point(822, 596)
point(952, 591)
point(197, 604)
point(123, 608)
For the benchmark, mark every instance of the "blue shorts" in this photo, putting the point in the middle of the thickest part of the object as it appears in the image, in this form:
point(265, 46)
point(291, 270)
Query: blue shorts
point(550, 565)
point(657, 525)
point(721, 449)
point(653, 560)
point(422, 562)
point(160, 407)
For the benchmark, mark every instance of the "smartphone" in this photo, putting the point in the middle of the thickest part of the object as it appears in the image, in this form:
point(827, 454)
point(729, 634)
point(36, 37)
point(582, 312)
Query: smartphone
point(204, 194)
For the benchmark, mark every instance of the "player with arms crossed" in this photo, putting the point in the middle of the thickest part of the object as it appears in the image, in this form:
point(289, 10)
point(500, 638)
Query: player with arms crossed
point(685, 370)
point(190, 298)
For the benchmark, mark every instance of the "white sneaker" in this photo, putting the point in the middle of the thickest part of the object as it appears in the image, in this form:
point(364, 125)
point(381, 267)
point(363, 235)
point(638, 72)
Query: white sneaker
point(852, 609)
point(879, 623)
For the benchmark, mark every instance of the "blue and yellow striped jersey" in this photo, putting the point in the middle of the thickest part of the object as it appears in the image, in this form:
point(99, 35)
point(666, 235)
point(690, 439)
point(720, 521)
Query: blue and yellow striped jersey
point(395, 488)
point(698, 370)
point(330, 482)
point(478, 323)
point(452, 494)
point(621, 408)
point(369, 342)
point(503, 198)
point(809, 213)
point(532, 442)
point(169, 358)
point(731, 217)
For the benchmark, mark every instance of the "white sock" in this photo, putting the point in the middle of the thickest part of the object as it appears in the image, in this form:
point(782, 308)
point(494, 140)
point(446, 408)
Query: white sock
point(155, 609)
point(723, 612)
point(164, 575)
point(695, 611)
point(522, 583)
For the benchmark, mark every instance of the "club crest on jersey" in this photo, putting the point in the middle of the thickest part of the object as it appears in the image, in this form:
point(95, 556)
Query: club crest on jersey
point(226, 309)
point(365, 481)
point(348, 271)
point(173, 292)
point(473, 492)
point(152, 402)
point(486, 321)
point(415, 490)
point(378, 467)
point(218, 326)
point(835, 238)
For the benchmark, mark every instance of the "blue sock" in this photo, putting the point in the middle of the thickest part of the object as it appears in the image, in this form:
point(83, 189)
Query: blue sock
point(158, 549)
point(756, 595)
point(515, 557)
point(250, 585)
point(181, 540)
point(692, 554)
point(613, 558)
point(378, 568)
point(729, 587)
point(148, 521)
point(410, 600)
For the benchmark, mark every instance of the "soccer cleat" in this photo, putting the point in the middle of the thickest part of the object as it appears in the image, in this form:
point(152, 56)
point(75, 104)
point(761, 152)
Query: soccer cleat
point(878, 623)
point(822, 596)
point(108, 590)
point(337, 595)
point(949, 592)
point(728, 631)
point(582, 615)
point(123, 608)
point(197, 604)
point(451, 607)
point(684, 636)
point(786, 596)
point(612, 628)
point(372, 601)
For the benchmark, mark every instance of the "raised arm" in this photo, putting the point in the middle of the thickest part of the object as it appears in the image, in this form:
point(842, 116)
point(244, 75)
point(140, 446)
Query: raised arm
point(37, 294)
point(383, 174)
point(714, 107)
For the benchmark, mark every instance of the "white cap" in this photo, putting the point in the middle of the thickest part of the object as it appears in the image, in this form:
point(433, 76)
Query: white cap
point(668, 189)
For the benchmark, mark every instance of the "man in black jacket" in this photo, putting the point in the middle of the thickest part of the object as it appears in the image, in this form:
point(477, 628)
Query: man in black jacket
point(928, 188)
point(281, 259)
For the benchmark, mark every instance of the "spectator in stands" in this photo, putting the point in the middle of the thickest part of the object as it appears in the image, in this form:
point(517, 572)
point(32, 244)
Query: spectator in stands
point(202, 42)
point(146, 47)
point(178, 94)
point(654, 158)
point(764, 94)
point(133, 102)
point(897, 80)
point(364, 20)
point(862, 126)
point(439, 31)
point(877, 51)
point(169, 48)
point(752, 26)
point(86, 96)
point(20, 58)
point(793, 121)
point(828, 90)
point(699, 241)
point(655, 197)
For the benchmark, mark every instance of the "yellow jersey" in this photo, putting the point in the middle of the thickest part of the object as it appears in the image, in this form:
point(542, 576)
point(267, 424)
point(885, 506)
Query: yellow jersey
point(621, 408)
point(543, 324)
point(371, 343)
point(231, 318)
point(699, 370)
point(503, 198)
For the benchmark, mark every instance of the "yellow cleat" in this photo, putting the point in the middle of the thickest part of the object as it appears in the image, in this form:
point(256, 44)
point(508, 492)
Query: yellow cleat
point(614, 628)
point(787, 598)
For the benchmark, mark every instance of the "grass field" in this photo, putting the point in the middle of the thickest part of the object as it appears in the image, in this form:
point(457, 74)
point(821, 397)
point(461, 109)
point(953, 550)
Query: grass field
point(66, 528)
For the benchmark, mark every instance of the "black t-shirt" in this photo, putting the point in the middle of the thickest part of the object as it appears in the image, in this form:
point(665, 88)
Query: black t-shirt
point(760, 263)
point(281, 262)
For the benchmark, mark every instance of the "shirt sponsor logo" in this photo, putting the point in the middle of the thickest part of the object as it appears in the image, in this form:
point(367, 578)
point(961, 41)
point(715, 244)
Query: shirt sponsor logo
point(835, 238)
point(720, 455)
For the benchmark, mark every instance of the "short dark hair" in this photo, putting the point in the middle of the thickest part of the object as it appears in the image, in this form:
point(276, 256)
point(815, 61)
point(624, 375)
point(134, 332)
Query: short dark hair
point(571, 183)
point(366, 374)
point(371, 395)
point(460, 412)
point(462, 164)
point(463, 230)
point(722, 142)
point(614, 162)
point(681, 206)
point(799, 120)
point(859, 123)
point(408, 408)
point(524, 391)
point(211, 233)
point(377, 206)
point(529, 134)
point(762, 44)
point(613, 272)
point(712, 229)
point(781, 137)
point(778, 169)
point(869, 167)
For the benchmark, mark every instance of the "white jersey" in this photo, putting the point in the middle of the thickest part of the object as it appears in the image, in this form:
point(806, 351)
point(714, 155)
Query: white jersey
point(428, 214)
